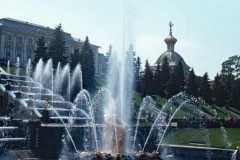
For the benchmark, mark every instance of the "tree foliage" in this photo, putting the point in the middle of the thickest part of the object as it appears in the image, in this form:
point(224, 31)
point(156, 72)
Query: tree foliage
point(176, 81)
point(165, 73)
point(231, 66)
point(137, 73)
point(57, 47)
point(192, 88)
point(172, 86)
point(75, 59)
point(218, 92)
point(234, 100)
point(157, 81)
point(179, 72)
point(41, 51)
point(205, 90)
point(87, 64)
point(147, 80)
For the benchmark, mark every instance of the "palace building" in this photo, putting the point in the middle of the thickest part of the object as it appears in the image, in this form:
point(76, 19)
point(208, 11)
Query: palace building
point(19, 39)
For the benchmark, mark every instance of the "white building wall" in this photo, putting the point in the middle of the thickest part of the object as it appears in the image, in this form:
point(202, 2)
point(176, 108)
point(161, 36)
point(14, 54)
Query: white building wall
point(25, 51)
point(25, 45)
point(13, 55)
point(2, 45)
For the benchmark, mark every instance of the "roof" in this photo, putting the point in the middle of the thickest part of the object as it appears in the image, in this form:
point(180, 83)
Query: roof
point(32, 28)
point(173, 58)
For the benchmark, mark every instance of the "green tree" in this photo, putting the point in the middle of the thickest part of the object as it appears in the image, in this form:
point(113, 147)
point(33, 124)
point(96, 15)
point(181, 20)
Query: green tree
point(147, 80)
point(87, 64)
point(75, 59)
point(137, 73)
point(157, 81)
point(165, 69)
point(218, 92)
point(41, 51)
point(176, 81)
point(229, 73)
point(173, 86)
point(231, 66)
point(179, 72)
point(57, 47)
point(205, 91)
point(192, 87)
point(227, 83)
point(234, 100)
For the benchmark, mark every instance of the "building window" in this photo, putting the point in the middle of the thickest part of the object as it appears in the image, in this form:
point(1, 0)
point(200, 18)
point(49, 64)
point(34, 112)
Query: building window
point(19, 52)
point(19, 40)
point(30, 41)
point(9, 37)
point(8, 51)
point(29, 53)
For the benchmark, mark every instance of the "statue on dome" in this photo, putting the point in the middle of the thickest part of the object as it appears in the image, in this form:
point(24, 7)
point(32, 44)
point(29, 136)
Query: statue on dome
point(170, 25)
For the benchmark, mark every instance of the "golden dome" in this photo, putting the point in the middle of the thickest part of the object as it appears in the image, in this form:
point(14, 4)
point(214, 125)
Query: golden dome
point(170, 40)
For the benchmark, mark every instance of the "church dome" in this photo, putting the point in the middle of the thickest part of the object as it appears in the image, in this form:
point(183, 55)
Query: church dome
point(170, 39)
point(172, 56)
point(173, 59)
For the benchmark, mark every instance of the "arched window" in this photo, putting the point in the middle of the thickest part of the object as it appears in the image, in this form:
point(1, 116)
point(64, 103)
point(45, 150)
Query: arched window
point(19, 40)
point(9, 37)
point(8, 50)
point(30, 41)
point(29, 53)
point(19, 52)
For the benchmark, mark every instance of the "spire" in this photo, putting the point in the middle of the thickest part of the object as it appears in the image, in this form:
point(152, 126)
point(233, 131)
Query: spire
point(170, 40)
point(170, 26)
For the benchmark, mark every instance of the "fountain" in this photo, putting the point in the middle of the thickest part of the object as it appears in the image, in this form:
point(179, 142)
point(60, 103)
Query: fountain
point(17, 66)
point(95, 127)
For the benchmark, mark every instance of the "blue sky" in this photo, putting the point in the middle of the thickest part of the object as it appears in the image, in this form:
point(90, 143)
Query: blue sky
point(207, 30)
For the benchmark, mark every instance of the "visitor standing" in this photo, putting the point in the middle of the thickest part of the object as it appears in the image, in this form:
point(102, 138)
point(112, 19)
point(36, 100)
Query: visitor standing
point(238, 153)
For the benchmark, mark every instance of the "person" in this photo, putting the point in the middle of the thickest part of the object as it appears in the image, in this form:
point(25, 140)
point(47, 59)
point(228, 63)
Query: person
point(45, 114)
point(238, 153)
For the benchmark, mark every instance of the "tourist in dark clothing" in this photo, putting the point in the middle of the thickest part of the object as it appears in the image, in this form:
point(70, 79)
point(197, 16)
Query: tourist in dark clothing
point(238, 154)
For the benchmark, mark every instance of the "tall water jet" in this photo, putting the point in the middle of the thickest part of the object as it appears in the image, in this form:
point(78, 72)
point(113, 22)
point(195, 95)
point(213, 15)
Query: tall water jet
point(63, 83)
point(226, 141)
point(29, 68)
point(28, 74)
point(168, 123)
point(57, 78)
point(83, 101)
point(69, 87)
point(38, 72)
point(8, 66)
point(76, 81)
point(17, 65)
point(161, 116)
point(147, 103)
point(120, 85)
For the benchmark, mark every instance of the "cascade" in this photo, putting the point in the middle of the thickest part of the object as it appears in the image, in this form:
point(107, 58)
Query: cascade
point(105, 117)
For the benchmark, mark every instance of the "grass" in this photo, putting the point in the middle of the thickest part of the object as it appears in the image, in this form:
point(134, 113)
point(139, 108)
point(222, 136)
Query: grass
point(234, 110)
point(12, 70)
point(221, 113)
point(186, 109)
point(211, 137)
